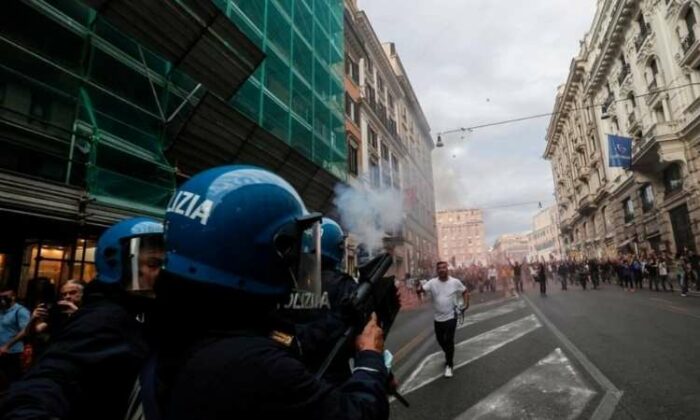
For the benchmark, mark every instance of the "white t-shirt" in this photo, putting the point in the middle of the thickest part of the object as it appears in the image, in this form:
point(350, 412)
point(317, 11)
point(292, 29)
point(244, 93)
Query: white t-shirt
point(444, 295)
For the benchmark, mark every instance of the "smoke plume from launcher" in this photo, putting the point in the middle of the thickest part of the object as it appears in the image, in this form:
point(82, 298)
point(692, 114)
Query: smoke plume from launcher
point(369, 214)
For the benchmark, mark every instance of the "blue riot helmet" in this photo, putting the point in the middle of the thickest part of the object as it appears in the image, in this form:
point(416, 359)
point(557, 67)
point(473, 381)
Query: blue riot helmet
point(130, 254)
point(332, 243)
point(239, 227)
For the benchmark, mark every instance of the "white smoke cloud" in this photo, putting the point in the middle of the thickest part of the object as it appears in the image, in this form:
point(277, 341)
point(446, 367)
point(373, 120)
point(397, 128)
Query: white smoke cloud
point(369, 214)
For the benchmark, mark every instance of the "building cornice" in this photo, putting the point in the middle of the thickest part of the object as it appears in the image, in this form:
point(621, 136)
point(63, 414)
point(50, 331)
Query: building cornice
point(613, 40)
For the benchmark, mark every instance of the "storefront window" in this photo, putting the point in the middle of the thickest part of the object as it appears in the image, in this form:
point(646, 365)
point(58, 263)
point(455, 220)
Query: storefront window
point(84, 267)
point(58, 262)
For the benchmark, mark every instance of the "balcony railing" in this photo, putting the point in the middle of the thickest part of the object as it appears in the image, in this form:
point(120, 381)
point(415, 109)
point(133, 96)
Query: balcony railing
point(624, 72)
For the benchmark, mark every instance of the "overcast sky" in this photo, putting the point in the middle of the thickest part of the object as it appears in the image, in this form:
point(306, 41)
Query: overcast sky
point(479, 61)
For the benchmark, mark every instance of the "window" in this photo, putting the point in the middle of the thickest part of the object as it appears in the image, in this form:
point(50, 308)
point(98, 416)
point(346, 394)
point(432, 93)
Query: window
point(385, 152)
point(690, 23)
point(642, 25)
point(659, 114)
point(646, 193)
point(628, 207)
point(653, 74)
point(352, 109)
point(352, 70)
point(380, 86)
point(374, 172)
point(631, 101)
point(369, 90)
point(352, 158)
point(673, 180)
point(372, 137)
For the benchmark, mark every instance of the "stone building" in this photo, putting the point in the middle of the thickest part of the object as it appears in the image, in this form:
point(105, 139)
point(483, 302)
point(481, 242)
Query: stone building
point(510, 247)
point(635, 75)
point(544, 242)
point(461, 237)
point(389, 142)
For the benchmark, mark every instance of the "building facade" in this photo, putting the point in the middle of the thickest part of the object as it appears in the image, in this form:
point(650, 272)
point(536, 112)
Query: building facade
point(388, 139)
point(461, 237)
point(510, 247)
point(544, 241)
point(104, 110)
point(636, 75)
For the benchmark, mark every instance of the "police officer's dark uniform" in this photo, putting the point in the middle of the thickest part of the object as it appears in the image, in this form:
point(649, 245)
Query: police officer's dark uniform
point(231, 260)
point(89, 367)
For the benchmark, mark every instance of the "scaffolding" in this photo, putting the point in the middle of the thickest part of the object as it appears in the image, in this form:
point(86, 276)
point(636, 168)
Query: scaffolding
point(297, 93)
point(84, 105)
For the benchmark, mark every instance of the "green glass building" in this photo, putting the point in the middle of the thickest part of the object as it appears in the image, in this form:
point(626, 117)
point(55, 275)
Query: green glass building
point(103, 113)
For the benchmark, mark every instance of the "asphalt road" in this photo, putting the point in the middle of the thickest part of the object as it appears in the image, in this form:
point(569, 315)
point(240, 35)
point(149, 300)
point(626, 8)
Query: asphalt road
point(577, 354)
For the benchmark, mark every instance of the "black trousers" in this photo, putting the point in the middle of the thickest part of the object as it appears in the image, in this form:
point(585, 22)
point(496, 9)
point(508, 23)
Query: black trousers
point(543, 287)
point(445, 334)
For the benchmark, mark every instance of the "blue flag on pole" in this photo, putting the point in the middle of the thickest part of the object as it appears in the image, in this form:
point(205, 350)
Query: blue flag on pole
point(620, 151)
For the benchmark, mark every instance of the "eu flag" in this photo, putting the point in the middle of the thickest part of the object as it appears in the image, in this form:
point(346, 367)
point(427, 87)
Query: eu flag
point(620, 151)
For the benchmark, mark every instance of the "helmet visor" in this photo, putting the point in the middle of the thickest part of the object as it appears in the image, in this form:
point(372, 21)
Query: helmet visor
point(143, 261)
point(308, 279)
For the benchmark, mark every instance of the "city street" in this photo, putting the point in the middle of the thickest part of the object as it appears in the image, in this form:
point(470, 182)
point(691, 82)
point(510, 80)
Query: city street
point(577, 354)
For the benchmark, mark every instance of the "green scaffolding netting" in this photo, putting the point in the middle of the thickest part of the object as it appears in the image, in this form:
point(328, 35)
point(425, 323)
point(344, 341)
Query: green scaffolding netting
point(87, 104)
point(297, 93)
point(83, 104)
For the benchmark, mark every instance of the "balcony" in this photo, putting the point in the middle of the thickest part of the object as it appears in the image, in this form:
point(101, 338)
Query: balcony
point(659, 147)
point(586, 205)
point(642, 37)
point(690, 48)
point(624, 72)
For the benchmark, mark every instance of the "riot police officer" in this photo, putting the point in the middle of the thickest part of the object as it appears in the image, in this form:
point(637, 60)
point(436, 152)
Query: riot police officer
point(233, 239)
point(317, 330)
point(90, 365)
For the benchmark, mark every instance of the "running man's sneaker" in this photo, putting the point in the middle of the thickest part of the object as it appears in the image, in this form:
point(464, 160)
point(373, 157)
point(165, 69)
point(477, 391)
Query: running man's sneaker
point(683, 294)
point(448, 372)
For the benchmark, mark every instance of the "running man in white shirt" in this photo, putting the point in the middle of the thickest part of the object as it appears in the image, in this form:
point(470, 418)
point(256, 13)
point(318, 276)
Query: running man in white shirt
point(450, 298)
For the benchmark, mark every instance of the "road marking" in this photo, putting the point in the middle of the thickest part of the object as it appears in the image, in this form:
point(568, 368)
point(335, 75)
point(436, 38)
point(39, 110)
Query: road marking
point(468, 320)
point(612, 396)
point(432, 367)
point(550, 389)
point(406, 348)
point(501, 310)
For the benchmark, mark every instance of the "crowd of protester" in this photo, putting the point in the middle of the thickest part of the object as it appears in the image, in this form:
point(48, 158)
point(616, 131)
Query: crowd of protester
point(656, 271)
point(26, 328)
